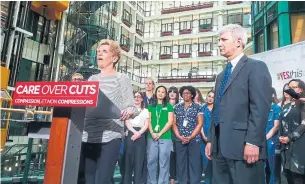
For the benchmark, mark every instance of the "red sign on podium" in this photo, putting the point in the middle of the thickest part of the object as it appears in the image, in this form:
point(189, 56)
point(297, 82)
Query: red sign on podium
point(68, 94)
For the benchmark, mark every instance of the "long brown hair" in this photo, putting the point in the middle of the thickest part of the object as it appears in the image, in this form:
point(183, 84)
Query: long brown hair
point(283, 95)
point(274, 96)
point(142, 96)
point(200, 98)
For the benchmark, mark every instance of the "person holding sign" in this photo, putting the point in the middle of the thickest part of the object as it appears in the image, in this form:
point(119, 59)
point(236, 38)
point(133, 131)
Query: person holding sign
point(159, 143)
point(292, 135)
point(102, 138)
point(187, 127)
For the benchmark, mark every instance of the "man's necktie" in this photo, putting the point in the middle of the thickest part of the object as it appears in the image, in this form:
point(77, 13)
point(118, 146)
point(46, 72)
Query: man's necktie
point(224, 81)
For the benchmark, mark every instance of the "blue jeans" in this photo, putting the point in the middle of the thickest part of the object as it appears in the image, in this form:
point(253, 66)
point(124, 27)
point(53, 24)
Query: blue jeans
point(207, 165)
point(271, 145)
point(162, 149)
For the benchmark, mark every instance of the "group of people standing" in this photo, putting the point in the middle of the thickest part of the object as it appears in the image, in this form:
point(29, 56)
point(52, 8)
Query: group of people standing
point(160, 138)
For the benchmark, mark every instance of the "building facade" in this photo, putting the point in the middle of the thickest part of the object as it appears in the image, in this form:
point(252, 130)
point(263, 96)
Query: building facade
point(277, 24)
point(175, 43)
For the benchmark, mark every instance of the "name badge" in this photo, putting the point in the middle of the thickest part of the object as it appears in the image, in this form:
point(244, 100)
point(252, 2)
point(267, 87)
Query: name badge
point(157, 128)
point(185, 122)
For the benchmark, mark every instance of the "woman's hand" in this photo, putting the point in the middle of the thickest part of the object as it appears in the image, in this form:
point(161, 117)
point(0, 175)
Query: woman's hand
point(155, 136)
point(302, 100)
point(125, 115)
point(284, 140)
point(135, 136)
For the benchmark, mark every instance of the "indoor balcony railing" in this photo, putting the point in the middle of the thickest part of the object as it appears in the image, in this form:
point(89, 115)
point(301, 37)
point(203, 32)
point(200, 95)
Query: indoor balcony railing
point(140, 27)
point(185, 27)
point(127, 18)
point(125, 43)
point(187, 8)
point(205, 25)
point(233, 2)
point(167, 29)
point(187, 79)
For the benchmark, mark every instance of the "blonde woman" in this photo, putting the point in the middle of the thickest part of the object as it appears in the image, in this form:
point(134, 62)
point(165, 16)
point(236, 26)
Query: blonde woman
point(102, 138)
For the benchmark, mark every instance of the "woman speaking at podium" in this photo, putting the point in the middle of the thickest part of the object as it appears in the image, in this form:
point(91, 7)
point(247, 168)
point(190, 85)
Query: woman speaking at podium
point(102, 138)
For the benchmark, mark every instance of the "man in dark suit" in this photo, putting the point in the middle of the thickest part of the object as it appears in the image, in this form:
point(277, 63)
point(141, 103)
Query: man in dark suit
point(237, 138)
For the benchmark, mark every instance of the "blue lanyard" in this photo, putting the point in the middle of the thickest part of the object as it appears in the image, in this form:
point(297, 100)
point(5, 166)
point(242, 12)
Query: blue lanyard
point(187, 110)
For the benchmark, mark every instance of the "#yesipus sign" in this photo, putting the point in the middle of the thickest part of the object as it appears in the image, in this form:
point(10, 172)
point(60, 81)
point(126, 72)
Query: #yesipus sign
point(69, 94)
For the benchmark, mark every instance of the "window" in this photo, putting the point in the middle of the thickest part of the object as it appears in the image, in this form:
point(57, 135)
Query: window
point(258, 25)
point(167, 27)
point(272, 13)
point(125, 41)
point(138, 48)
point(274, 35)
point(140, 6)
point(166, 50)
point(296, 6)
point(297, 27)
point(185, 25)
point(140, 25)
point(260, 44)
point(235, 19)
point(126, 15)
point(254, 8)
point(261, 5)
point(185, 49)
point(246, 20)
point(114, 6)
point(205, 21)
point(205, 47)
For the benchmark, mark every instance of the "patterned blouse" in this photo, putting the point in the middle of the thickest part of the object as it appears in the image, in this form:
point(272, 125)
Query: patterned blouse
point(187, 119)
point(292, 127)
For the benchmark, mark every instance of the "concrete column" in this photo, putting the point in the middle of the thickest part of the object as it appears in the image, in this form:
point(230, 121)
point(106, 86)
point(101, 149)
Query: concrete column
point(155, 51)
point(154, 75)
point(12, 35)
point(219, 66)
point(220, 20)
point(59, 50)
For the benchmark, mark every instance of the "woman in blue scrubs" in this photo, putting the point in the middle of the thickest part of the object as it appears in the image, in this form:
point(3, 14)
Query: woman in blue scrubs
point(207, 112)
point(272, 139)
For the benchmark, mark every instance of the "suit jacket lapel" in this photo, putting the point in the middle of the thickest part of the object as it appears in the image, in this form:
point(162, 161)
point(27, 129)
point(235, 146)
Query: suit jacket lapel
point(236, 70)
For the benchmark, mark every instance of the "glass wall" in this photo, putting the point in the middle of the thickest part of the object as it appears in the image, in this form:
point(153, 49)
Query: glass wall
point(260, 42)
point(274, 35)
point(297, 27)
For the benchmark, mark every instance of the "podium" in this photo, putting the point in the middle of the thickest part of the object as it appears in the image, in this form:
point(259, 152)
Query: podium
point(64, 145)
point(73, 102)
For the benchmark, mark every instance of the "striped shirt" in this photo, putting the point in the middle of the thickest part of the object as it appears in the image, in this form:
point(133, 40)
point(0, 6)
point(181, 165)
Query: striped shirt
point(118, 89)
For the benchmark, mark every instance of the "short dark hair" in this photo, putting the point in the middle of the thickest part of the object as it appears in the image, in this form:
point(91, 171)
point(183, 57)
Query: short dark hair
point(189, 88)
point(164, 102)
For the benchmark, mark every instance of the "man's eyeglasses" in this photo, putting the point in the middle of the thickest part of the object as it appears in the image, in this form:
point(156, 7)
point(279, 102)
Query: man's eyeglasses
point(77, 79)
point(137, 97)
